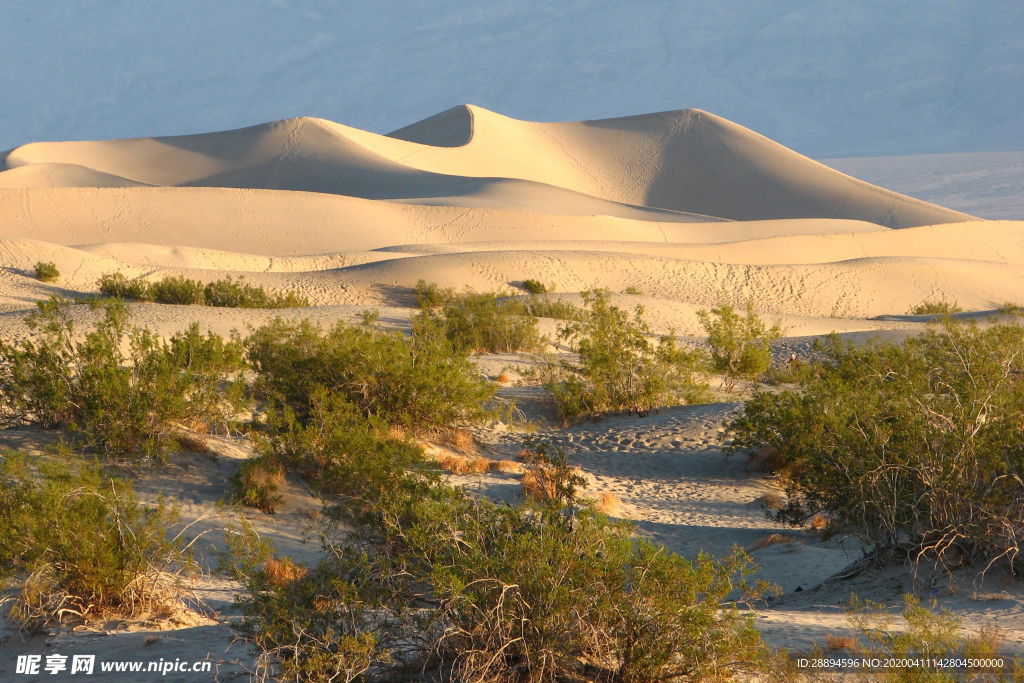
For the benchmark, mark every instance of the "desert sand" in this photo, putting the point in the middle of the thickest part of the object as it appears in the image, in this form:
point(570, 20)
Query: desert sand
point(686, 208)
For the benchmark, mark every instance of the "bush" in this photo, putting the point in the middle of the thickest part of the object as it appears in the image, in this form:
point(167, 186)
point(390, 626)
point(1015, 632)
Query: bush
point(82, 546)
point(483, 322)
point(428, 577)
point(936, 308)
point(224, 293)
point(431, 296)
point(420, 383)
point(228, 293)
point(740, 346)
point(915, 447)
point(256, 483)
point(619, 368)
point(545, 307)
point(178, 290)
point(118, 286)
point(119, 403)
point(535, 287)
point(47, 272)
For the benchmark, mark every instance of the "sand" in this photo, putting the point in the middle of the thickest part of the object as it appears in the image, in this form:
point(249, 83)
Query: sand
point(683, 209)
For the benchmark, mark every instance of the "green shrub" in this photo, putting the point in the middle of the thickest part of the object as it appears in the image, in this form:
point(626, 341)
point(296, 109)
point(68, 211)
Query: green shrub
point(119, 403)
point(429, 577)
point(120, 287)
point(740, 345)
point(536, 287)
point(632, 290)
point(483, 322)
point(431, 296)
point(1009, 308)
point(545, 307)
point(228, 293)
point(936, 308)
point(47, 272)
point(619, 368)
point(223, 293)
point(178, 290)
point(916, 447)
point(256, 483)
point(81, 546)
point(421, 382)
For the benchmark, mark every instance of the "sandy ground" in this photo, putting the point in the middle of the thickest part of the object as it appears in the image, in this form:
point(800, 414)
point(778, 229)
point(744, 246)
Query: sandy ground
point(684, 209)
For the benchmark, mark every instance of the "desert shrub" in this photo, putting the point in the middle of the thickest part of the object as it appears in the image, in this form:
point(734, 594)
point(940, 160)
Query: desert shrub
point(431, 295)
point(81, 545)
point(740, 345)
point(119, 402)
point(47, 271)
point(429, 577)
point(484, 322)
point(916, 446)
point(545, 307)
point(632, 290)
point(1009, 308)
point(118, 286)
point(535, 287)
point(178, 290)
point(421, 382)
point(926, 634)
point(549, 477)
point(936, 308)
point(223, 293)
point(620, 368)
point(229, 293)
point(256, 483)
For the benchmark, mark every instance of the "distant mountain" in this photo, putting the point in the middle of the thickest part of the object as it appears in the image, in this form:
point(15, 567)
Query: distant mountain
point(826, 78)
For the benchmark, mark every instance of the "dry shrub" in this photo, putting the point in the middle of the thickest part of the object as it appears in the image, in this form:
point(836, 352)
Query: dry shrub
point(773, 539)
point(256, 484)
point(818, 522)
point(455, 464)
point(764, 459)
point(479, 465)
point(537, 485)
point(396, 432)
point(839, 642)
point(609, 504)
point(463, 441)
point(283, 571)
point(506, 466)
point(504, 378)
point(771, 501)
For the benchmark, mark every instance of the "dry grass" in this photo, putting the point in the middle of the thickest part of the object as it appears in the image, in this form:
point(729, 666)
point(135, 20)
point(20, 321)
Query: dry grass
point(771, 501)
point(833, 643)
point(396, 432)
point(507, 466)
point(463, 441)
point(537, 486)
point(773, 539)
point(281, 572)
point(764, 459)
point(818, 522)
point(504, 378)
point(609, 504)
point(458, 464)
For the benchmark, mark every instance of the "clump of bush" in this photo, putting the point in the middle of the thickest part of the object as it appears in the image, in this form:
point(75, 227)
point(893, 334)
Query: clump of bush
point(81, 546)
point(119, 402)
point(916, 447)
point(47, 271)
point(936, 308)
point(535, 286)
point(421, 383)
point(428, 578)
point(256, 483)
point(475, 322)
point(224, 293)
point(740, 345)
point(620, 369)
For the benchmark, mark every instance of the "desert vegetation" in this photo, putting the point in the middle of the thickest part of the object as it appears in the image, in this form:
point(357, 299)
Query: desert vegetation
point(77, 544)
point(914, 446)
point(46, 271)
point(619, 368)
point(118, 388)
point(482, 322)
point(224, 293)
point(740, 345)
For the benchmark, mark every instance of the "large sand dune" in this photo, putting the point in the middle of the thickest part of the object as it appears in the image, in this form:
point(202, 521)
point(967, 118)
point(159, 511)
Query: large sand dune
point(683, 206)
